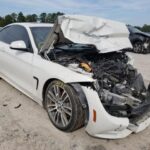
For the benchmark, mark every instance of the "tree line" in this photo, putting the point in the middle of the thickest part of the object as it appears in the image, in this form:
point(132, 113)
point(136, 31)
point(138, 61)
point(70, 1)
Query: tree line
point(20, 17)
point(43, 17)
point(145, 28)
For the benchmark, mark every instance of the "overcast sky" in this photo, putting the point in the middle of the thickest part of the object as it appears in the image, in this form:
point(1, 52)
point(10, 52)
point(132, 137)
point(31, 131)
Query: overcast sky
point(135, 12)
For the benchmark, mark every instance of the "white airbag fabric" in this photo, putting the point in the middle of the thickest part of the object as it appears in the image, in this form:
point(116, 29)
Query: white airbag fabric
point(105, 34)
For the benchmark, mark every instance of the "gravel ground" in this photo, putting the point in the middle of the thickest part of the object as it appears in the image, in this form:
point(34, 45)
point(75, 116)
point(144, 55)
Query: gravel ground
point(28, 127)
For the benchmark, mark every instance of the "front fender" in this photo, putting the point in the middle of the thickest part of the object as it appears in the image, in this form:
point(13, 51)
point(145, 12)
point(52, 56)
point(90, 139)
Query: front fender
point(46, 70)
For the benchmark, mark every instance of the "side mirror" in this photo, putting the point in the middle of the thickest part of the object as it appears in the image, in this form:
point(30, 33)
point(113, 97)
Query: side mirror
point(19, 45)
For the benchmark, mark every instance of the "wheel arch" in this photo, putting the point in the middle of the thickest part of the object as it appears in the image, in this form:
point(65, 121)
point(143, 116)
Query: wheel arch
point(139, 39)
point(78, 89)
point(82, 97)
point(45, 87)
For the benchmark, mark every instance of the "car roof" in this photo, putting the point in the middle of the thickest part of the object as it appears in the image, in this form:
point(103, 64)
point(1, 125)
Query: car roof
point(28, 25)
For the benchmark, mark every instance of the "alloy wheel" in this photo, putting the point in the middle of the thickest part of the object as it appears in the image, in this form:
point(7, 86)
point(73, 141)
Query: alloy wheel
point(59, 106)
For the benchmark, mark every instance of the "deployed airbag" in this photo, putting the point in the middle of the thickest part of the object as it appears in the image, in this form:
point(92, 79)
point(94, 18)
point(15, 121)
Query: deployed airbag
point(105, 34)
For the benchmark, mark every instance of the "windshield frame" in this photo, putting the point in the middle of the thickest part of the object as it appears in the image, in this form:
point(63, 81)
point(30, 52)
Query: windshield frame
point(33, 35)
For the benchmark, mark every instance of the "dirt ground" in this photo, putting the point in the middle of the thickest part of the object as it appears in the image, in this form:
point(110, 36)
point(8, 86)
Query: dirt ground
point(28, 127)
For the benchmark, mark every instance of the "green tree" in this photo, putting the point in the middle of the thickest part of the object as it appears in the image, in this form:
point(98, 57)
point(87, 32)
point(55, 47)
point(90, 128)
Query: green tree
point(31, 18)
point(48, 17)
point(51, 17)
point(14, 17)
point(21, 17)
point(28, 18)
point(43, 17)
point(60, 13)
point(8, 19)
point(34, 17)
point(2, 22)
point(146, 28)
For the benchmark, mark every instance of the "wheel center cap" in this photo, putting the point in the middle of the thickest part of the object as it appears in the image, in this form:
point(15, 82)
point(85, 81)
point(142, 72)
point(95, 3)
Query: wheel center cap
point(59, 105)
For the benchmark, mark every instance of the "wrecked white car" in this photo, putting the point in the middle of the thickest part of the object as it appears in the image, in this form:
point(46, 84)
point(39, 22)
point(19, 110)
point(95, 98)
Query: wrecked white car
point(81, 75)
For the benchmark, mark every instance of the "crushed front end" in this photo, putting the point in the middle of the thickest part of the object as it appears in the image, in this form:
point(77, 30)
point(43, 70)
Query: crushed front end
point(118, 101)
point(119, 89)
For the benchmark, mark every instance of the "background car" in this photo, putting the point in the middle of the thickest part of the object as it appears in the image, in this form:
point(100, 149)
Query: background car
point(140, 40)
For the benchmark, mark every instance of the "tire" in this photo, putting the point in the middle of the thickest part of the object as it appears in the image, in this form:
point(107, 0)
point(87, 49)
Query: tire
point(138, 47)
point(63, 106)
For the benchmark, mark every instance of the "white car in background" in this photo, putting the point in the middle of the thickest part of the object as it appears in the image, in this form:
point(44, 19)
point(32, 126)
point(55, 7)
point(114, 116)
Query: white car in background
point(79, 73)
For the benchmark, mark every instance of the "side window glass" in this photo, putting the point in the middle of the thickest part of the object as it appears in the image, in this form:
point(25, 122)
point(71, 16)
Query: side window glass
point(18, 33)
point(4, 37)
point(15, 33)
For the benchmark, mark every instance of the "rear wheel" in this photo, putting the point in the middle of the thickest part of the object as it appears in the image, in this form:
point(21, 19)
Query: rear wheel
point(63, 106)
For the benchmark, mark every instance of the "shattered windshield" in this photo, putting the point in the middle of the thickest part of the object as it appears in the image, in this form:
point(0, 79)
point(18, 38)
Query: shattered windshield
point(39, 35)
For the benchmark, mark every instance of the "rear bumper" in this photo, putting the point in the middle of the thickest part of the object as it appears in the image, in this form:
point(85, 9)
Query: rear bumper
point(107, 126)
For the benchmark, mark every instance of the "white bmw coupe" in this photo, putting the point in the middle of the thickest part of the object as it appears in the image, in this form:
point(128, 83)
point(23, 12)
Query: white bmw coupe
point(78, 71)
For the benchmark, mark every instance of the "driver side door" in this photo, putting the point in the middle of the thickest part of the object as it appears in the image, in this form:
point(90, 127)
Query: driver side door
point(16, 65)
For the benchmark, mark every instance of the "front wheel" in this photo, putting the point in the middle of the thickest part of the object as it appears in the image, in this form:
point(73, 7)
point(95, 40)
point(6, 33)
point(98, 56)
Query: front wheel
point(63, 106)
point(138, 47)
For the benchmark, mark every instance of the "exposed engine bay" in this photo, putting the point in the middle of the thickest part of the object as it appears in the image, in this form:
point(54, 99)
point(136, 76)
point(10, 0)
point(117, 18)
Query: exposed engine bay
point(120, 87)
point(110, 89)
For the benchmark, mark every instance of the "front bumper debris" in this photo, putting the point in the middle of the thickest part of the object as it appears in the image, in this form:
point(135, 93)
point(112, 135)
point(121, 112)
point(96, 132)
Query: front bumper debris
point(108, 126)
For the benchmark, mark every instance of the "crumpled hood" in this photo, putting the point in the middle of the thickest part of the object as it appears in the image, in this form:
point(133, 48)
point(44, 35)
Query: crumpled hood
point(105, 34)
